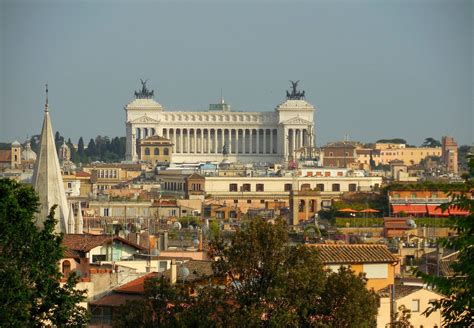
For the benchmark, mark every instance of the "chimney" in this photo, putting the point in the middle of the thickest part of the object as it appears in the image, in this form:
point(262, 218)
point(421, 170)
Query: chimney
point(165, 240)
point(174, 272)
point(200, 240)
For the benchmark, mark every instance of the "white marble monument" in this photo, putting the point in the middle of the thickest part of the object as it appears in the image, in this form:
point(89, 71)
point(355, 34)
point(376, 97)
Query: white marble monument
point(200, 136)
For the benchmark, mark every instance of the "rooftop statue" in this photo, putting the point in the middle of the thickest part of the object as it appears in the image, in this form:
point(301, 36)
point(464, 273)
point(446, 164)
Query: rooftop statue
point(144, 93)
point(295, 94)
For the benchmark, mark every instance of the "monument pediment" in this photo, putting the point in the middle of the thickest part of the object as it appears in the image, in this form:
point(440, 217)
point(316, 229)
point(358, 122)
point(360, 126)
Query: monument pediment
point(296, 121)
point(145, 119)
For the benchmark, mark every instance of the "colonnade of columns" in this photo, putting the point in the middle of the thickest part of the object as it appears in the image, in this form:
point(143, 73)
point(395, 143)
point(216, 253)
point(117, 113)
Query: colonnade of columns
point(142, 133)
point(297, 138)
point(212, 141)
point(237, 141)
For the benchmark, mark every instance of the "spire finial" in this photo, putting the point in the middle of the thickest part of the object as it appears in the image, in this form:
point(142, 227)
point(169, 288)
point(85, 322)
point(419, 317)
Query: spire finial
point(46, 104)
point(222, 98)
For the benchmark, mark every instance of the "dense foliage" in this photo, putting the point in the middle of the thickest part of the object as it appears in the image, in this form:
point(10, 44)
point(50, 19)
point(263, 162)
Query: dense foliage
point(100, 148)
point(31, 294)
point(457, 307)
point(431, 142)
point(259, 281)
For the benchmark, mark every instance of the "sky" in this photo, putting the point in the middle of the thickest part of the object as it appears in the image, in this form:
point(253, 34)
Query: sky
point(373, 69)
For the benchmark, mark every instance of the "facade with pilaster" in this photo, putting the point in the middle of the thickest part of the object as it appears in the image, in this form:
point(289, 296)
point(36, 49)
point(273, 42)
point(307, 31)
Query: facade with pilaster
point(206, 135)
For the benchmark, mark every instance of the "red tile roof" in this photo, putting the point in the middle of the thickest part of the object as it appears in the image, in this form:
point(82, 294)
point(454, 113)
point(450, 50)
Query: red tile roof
point(82, 174)
point(5, 155)
point(86, 242)
point(115, 299)
point(136, 286)
point(343, 253)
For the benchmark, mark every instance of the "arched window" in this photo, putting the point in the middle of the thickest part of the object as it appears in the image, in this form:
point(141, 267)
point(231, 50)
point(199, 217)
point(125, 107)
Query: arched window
point(147, 151)
point(157, 151)
point(66, 268)
point(166, 151)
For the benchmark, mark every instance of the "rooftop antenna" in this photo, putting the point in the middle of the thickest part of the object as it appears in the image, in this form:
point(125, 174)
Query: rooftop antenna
point(46, 104)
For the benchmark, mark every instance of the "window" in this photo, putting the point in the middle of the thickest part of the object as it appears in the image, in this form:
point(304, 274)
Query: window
point(309, 174)
point(320, 187)
point(318, 174)
point(262, 201)
point(66, 268)
point(331, 154)
point(69, 185)
point(327, 174)
point(96, 258)
point(339, 174)
point(233, 214)
point(246, 187)
point(336, 187)
point(236, 201)
point(260, 187)
point(352, 187)
point(379, 271)
point(157, 151)
point(415, 305)
point(233, 187)
point(106, 212)
point(413, 195)
point(288, 187)
point(147, 151)
point(305, 186)
point(249, 201)
point(166, 151)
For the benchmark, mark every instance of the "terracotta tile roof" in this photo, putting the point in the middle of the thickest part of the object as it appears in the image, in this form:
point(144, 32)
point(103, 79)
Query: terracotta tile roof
point(82, 174)
point(136, 286)
point(86, 242)
point(70, 253)
point(116, 299)
point(341, 253)
point(197, 270)
point(5, 156)
point(400, 291)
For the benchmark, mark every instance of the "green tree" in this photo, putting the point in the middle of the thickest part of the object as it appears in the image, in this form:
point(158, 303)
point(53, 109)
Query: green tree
point(80, 149)
point(264, 283)
point(31, 294)
point(91, 150)
point(457, 307)
point(74, 157)
point(431, 142)
point(394, 140)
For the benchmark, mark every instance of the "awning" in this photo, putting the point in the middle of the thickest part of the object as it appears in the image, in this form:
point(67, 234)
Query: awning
point(457, 211)
point(409, 209)
point(435, 210)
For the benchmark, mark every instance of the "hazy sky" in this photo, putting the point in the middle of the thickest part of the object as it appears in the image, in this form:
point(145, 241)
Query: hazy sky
point(373, 69)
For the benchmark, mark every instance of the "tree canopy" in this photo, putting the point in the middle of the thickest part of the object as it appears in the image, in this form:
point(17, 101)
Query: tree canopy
point(31, 293)
point(394, 140)
point(431, 142)
point(457, 307)
point(262, 282)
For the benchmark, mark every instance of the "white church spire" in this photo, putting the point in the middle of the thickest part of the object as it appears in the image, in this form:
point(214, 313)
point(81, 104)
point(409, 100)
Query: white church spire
point(79, 219)
point(71, 221)
point(47, 179)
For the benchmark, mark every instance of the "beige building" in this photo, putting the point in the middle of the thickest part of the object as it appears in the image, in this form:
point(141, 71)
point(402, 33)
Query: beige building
point(413, 298)
point(450, 154)
point(107, 175)
point(386, 153)
point(156, 150)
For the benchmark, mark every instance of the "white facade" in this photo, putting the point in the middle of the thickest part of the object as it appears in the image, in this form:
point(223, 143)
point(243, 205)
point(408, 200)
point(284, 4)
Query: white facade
point(201, 136)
